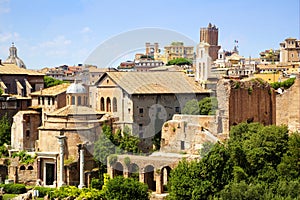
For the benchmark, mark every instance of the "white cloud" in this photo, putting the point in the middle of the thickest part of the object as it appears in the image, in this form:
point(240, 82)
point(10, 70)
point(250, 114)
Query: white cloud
point(4, 6)
point(9, 37)
point(86, 30)
point(56, 42)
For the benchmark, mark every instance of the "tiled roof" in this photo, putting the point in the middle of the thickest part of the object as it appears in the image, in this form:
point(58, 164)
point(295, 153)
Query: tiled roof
point(73, 110)
point(155, 82)
point(52, 91)
point(14, 69)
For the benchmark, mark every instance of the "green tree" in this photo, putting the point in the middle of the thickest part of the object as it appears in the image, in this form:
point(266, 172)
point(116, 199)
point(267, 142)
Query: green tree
point(179, 61)
point(5, 134)
point(191, 108)
point(208, 106)
point(125, 188)
point(49, 81)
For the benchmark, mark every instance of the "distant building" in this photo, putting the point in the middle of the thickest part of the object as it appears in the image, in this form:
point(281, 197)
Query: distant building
point(290, 50)
point(178, 50)
point(270, 56)
point(209, 35)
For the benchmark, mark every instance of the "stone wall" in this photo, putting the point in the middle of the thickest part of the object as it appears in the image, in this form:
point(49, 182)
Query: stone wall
point(251, 100)
point(288, 107)
point(187, 133)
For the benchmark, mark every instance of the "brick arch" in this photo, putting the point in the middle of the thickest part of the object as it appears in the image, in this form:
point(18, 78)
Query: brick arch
point(133, 171)
point(149, 177)
point(118, 169)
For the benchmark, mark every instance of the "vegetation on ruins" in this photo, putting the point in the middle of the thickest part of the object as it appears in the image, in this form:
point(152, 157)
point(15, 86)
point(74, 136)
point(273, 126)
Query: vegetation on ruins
point(206, 106)
point(111, 144)
point(285, 84)
point(5, 135)
point(257, 162)
point(24, 157)
point(179, 61)
point(49, 81)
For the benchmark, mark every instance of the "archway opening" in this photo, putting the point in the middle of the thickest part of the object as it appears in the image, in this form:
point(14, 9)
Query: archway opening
point(165, 175)
point(118, 169)
point(133, 171)
point(149, 177)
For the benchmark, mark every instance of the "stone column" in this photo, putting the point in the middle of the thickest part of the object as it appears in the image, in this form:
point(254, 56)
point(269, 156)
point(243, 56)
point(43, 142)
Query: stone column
point(81, 178)
point(61, 141)
point(159, 184)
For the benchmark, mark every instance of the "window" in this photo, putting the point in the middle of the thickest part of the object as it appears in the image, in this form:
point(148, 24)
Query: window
point(27, 134)
point(49, 101)
point(73, 100)
point(182, 145)
point(108, 105)
point(114, 104)
point(177, 109)
point(102, 104)
point(79, 100)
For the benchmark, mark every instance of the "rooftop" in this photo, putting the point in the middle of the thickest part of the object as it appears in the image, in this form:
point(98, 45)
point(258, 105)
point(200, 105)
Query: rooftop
point(13, 69)
point(52, 91)
point(73, 110)
point(165, 82)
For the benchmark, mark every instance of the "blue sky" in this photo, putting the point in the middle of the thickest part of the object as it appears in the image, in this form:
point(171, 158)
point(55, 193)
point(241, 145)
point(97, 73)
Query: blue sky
point(49, 33)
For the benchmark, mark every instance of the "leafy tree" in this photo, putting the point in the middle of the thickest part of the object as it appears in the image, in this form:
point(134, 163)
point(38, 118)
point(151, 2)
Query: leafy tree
point(5, 134)
point(208, 106)
point(256, 162)
point(285, 84)
point(191, 108)
point(125, 188)
point(179, 61)
point(49, 81)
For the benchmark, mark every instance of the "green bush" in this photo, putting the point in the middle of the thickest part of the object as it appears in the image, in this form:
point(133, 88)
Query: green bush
point(13, 188)
point(97, 183)
point(43, 191)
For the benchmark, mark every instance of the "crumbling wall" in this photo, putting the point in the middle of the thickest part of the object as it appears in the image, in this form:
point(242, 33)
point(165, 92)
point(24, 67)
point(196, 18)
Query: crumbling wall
point(288, 107)
point(250, 100)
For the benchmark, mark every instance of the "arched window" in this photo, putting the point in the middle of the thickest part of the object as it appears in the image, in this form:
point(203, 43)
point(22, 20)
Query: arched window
point(22, 167)
point(27, 133)
point(68, 100)
point(108, 105)
point(30, 167)
point(102, 104)
point(114, 104)
point(79, 100)
point(73, 100)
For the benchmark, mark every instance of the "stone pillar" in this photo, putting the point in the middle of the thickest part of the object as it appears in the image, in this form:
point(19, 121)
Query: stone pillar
point(159, 183)
point(126, 173)
point(142, 176)
point(81, 178)
point(61, 141)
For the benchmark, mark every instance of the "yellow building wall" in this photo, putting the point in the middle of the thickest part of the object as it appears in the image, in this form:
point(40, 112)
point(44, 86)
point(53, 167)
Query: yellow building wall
point(268, 77)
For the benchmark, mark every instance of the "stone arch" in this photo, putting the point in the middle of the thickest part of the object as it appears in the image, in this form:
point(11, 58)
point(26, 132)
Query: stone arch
point(29, 167)
point(149, 178)
point(118, 169)
point(102, 104)
point(165, 175)
point(108, 104)
point(115, 107)
point(133, 171)
point(22, 167)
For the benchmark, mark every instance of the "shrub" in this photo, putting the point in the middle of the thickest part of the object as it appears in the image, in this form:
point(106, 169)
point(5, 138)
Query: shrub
point(13, 188)
point(43, 191)
point(97, 183)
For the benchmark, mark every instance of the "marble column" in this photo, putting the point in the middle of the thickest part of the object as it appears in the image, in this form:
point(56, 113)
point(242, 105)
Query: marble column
point(61, 141)
point(81, 178)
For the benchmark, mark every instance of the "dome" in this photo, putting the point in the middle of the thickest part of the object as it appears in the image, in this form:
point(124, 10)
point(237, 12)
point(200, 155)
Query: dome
point(13, 58)
point(76, 88)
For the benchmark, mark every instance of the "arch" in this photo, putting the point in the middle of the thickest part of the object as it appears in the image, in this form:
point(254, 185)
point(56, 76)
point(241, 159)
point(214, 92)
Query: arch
point(68, 100)
point(115, 107)
point(79, 100)
point(102, 104)
point(149, 177)
point(165, 175)
point(133, 171)
point(22, 167)
point(108, 104)
point(118, 169)
point(72, 100)
point(29, 167)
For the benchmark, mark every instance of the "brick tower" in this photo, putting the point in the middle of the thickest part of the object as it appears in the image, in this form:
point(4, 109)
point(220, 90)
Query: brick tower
point(210, 35)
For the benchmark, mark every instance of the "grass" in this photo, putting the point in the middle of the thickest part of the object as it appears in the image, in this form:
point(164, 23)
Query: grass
point(9, 196)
